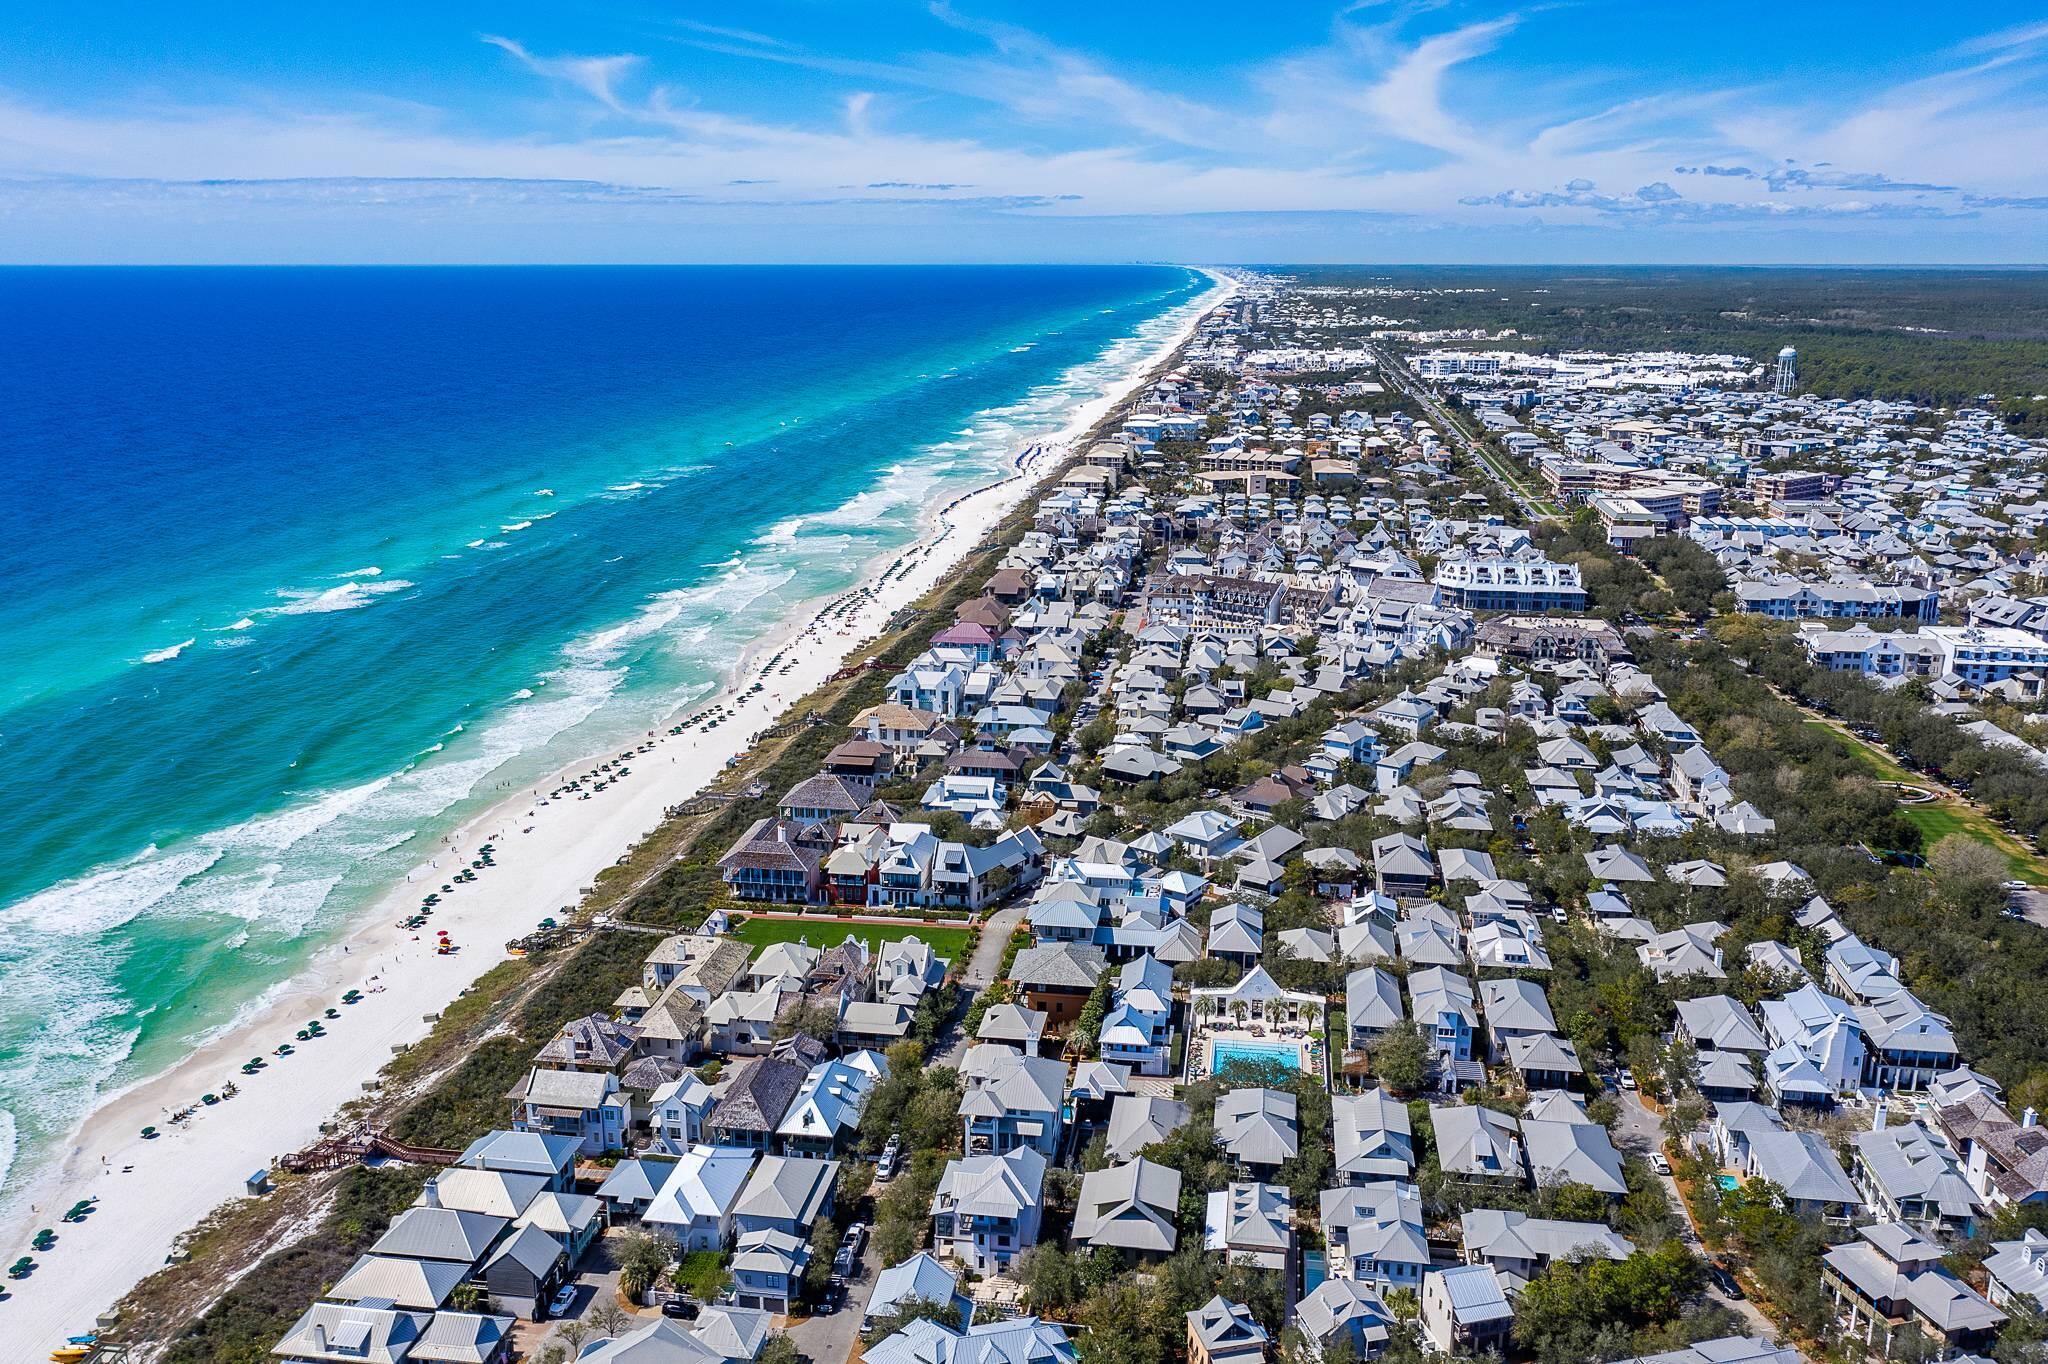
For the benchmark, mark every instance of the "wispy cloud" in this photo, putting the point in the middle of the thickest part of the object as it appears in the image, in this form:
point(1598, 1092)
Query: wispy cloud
point(597, 77)
point(1393, 111)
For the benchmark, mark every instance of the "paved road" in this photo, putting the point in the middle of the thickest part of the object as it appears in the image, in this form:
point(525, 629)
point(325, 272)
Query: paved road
point(1642, 1132)
point(1395, 369)
point(830, 1340)
point(982, 968)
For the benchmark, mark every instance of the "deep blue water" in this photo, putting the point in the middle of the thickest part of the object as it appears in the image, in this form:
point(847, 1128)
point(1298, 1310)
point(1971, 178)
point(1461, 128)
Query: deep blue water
point(304, 565)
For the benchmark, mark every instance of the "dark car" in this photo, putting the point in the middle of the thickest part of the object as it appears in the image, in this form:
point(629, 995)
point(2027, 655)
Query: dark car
point(682, 1309)
point(1724, 1281)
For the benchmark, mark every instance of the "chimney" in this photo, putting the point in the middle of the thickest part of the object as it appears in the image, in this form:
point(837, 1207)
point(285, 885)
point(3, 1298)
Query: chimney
point(319, 1339)
point(2030, 1118)
point(432, 1194)
point(1877, 1115)
point(1978, 1168)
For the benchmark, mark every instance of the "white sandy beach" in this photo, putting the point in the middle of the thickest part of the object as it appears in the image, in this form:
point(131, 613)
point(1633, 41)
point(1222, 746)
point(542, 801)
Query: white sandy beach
point(151, 1191)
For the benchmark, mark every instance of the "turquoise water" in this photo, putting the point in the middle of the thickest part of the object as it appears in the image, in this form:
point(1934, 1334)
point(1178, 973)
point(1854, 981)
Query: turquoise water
point(307, 566)
point(1728, 1182)
point(1222, 1053)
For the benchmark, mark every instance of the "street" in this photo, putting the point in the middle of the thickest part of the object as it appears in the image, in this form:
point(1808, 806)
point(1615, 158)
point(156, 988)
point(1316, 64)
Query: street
point(1397, 371)
point(1639, 1132)
point(981, 972)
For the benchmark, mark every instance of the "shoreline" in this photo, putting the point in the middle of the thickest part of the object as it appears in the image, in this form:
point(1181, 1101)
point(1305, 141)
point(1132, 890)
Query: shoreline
point(547, 849)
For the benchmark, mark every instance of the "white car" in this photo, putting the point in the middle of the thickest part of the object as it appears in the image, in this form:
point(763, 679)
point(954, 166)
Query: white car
point(1659, 1164)
point(564, 1299)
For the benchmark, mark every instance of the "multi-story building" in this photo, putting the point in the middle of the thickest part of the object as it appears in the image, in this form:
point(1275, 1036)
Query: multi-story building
point(1525, 581)
point(987, 1208)
point(1981, 655)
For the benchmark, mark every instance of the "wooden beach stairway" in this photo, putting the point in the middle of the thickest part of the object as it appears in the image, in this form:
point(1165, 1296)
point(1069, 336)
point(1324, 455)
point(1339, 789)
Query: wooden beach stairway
point(359, 1144)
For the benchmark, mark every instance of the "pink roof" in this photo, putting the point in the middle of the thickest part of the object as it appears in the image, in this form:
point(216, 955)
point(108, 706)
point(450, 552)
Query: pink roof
point(966, 632)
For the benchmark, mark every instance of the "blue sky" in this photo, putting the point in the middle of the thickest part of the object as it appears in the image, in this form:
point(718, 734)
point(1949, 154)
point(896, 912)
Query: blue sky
point(799, 130)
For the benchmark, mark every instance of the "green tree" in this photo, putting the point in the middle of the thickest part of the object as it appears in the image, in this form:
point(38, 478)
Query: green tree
point(1401, 1057)
point(642, 1258)
point(908, 1310)
point(1570, 1202)
point(817, 1021)
point(824, 1245)
point(1125, 1326)
point(1051, 1278)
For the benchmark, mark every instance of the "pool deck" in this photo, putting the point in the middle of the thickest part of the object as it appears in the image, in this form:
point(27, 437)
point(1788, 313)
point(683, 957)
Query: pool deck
point(1309, 1056)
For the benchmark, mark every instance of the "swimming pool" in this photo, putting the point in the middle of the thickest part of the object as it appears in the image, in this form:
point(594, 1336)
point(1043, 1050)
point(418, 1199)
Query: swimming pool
point(1728, 1182)
point(1222, 1051)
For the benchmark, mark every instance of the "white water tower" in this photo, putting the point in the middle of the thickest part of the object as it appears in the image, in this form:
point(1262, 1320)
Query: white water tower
point(1788, 372)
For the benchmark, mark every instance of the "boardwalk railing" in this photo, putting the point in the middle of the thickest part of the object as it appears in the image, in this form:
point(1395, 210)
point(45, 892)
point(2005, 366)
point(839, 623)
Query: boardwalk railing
point(355, 1146)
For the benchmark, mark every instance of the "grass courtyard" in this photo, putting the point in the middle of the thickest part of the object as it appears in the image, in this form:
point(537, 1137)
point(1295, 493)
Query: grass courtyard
point(1937, 820)
point(824, 931)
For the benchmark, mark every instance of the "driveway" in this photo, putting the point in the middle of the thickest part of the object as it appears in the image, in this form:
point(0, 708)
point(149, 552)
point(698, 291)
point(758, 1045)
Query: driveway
point(830, 1340)
point(982, 967)
point(597, 1280)
point(1640, 1131)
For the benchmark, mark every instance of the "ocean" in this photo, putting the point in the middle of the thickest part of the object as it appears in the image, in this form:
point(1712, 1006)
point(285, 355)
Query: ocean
point(304, 567)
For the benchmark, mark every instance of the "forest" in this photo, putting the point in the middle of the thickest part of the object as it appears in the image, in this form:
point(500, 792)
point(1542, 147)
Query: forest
point(1939, 337)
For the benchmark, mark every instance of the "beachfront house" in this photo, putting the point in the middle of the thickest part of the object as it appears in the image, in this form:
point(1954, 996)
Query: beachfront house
point(1057, 978)
point(825, 1115)
point(1225, 1332)
point(524, 1272)
point(772, 861)
point(786, 1194)
point(546, 1156)
point(750, 1111)
point(1373, 1138)
point(768, 1269)
point(587, 1105)
point(1259, 1129)
point(1129, 1207)
point(1465, 1311)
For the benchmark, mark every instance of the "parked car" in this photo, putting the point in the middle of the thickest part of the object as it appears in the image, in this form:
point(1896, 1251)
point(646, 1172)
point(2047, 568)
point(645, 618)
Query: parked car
point(682, 1309)
point(842, 1262)
point(856, 1240)
point(892, 1152)
point(1723, 1280)
point(1628, 1079)
point(1659, 1164)
point(564, 1299)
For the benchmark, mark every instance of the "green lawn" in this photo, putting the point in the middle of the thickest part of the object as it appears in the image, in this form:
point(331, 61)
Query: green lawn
point(1872, 759)
point(822, 931)
point(1936, 822)
point(702, 1274)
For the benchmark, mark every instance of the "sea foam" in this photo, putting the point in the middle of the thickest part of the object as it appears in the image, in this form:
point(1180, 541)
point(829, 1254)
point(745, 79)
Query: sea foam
point(350, 596)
